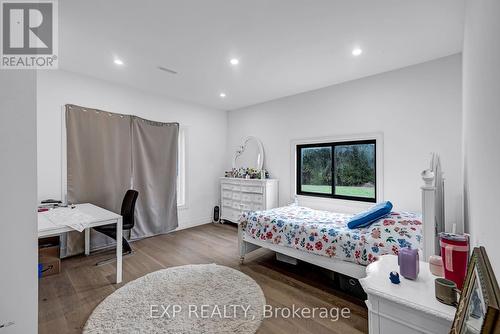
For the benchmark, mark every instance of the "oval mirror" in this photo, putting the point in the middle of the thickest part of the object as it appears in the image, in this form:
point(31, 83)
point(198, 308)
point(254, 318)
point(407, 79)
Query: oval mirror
point(250, 154)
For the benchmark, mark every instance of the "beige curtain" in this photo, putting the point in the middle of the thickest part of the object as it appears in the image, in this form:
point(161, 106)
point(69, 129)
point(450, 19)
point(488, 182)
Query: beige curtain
point(154, 174)
point(99, 165)
point(107, 154)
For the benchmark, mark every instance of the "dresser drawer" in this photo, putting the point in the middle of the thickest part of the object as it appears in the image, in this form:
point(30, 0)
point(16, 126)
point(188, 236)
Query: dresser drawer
point(252, 189)
point(241, 206)
point(406, 315)
point(247, 197)
point(246, 207)
point(257, 207)
point(258, 198)
point(230, 214)
point(236, 196)
point(389, 326)
point(227, 194)
point(233, 186)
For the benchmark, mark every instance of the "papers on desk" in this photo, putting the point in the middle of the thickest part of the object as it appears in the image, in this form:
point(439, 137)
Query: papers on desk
point(73, 218)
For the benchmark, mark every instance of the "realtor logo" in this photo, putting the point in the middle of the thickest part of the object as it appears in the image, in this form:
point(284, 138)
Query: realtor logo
point(29, 35)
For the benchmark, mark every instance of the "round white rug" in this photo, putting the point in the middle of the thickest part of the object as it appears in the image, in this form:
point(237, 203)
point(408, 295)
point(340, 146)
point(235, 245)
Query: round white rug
point(205, 298)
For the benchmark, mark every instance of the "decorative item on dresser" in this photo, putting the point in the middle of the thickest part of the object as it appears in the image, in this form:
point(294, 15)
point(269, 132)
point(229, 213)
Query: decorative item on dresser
point(238, 195)
point(478, 309)
point(408, 307)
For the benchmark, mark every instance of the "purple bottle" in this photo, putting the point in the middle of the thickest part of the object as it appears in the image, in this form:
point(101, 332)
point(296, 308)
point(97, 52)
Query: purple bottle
point(408, 263)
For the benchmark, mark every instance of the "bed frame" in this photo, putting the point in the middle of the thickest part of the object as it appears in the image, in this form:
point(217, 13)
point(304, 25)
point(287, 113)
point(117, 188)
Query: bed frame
point(432, 219)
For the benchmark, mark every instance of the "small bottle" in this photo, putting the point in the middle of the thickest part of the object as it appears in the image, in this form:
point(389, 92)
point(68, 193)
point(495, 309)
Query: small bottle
point(408, 262)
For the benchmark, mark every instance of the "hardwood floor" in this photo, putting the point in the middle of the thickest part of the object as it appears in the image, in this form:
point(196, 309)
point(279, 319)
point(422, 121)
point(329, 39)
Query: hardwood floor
point(67, 299)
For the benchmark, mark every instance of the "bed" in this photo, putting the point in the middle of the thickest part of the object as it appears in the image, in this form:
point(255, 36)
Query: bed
point(323, 238)
point(326, 233)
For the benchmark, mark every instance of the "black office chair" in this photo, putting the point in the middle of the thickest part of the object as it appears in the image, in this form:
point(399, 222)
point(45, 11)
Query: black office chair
point(128, 207)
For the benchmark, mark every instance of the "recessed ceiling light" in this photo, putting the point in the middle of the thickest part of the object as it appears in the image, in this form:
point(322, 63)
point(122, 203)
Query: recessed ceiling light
point(118, 61)
point(356, 52)
point(223, 95)
point(234, 61)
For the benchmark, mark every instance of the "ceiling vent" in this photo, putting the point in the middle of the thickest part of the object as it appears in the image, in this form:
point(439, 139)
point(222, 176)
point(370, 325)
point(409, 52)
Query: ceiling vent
point(168, 70)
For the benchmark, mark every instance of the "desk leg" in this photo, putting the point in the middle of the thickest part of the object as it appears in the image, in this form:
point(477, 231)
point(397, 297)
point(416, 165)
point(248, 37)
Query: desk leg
point(87, 241)
point(119, 236)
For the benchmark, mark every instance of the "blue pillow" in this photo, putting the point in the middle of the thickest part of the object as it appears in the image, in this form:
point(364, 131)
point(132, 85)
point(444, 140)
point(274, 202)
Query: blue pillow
point(368, 217)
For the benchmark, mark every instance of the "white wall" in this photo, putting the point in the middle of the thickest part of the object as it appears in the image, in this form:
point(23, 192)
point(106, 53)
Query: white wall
point(481, 124)
point(206, 134)
point(417, 108)
point(18, 241)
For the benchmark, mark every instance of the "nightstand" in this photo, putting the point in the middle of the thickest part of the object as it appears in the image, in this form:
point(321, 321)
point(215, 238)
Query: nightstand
point(408, 307)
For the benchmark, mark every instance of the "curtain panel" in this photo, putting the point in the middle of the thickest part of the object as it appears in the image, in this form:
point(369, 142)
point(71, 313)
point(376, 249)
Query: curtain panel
point(108, 153)
point(154, 175)
point(99, 167)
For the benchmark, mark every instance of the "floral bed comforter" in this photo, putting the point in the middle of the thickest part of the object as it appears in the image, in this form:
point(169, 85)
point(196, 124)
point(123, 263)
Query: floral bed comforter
point(326, 233)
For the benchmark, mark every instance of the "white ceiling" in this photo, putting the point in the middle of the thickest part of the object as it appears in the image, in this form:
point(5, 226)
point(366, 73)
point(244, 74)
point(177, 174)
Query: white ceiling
point(284, 46)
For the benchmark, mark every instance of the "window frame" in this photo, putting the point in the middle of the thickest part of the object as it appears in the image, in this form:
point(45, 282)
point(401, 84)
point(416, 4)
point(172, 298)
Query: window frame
point(181, 182)
point(332, 145)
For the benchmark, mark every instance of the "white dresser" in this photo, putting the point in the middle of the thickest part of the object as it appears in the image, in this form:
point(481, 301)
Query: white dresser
point(238, 195)
point(408, 307)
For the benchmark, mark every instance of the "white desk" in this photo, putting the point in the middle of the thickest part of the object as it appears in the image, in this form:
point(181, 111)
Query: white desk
point(101, 217)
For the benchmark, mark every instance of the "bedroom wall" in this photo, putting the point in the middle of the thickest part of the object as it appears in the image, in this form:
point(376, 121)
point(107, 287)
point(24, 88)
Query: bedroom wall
point(18, 238)
point(206, 134)
point(481, 121)
point(417, 108)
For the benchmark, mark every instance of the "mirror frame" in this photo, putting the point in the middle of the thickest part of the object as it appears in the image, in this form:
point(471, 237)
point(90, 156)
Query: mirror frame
point(241, 149)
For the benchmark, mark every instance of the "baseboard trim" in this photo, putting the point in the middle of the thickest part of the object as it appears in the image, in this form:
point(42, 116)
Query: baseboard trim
point(193, 222)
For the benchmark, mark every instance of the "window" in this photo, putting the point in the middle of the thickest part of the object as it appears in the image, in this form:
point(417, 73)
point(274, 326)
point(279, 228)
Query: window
point(345, 170)
point(181, 169)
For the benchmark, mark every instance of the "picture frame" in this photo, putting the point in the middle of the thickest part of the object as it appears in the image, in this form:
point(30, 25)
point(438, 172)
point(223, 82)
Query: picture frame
point(478, 309)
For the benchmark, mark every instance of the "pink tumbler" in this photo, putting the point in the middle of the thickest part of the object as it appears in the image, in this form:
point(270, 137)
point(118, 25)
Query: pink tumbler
point(455, 254)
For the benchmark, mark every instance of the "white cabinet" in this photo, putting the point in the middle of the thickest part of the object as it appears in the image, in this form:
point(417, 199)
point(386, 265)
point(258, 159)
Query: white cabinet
point(238, 195)
point(407, 307)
